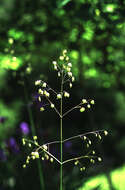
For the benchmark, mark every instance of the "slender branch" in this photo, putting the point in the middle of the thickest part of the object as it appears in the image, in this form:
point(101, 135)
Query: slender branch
point(49, 88)
point(63, 162)
point(48, 154)
point(64, 77)
point(53, 142)
point(70, 138)
point(72, 159)
point(81, 135)
point(28, 140)
point(54, 107)
point(60, 69)
point(71, 110)
point(53, 90)
point(67, 80)
point(77, 158)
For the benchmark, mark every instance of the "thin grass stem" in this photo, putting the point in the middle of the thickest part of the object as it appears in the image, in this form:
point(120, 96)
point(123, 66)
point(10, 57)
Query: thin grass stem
point(34, 133)
point(61, 135)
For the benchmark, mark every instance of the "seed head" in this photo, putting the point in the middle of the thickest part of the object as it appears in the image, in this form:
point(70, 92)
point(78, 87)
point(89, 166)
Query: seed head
point(47, 94)
point(82, 109)
point(61, 58)
point(69, 64)
point(28, 70)
point(52, 105)
point(84, 101)
point(67, 58)
point(34, 137)
point(55, 67)
point(51, 159)
point(58, 74)
point(47, 156)
point(68, 69)
point(92, 102)
point(99, 159)
point(27, 161)
point(66, 94)
point(10, 40)
point(87, 145)
point(90, 142)
point(69, 74)
point(40, 91)
point(29, 144)
point(83, 168)
point(39, 98)
point(84, 137)
point(92, 161)
point(23, 141)
point(33, 157)
point(44, 84)
point(54, 63)
point(35, 154)
point(45, 147)
point(76, 162)
point(70, 85)
point(105, 133)
point(64, 67)
point(37, 82)
point(99, 136)
point(24, 165)
point(64, 51)
point(59, 96)
point(73, 79)
point(88, 106)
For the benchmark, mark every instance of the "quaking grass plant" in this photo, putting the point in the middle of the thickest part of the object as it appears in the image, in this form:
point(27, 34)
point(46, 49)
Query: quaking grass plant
point(64, 72)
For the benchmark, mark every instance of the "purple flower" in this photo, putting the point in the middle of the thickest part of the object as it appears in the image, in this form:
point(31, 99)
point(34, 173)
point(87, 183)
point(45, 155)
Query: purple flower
point(24, 127)
point(12, 145)
point(12, 142)
point(2, 155)
point(2, 119)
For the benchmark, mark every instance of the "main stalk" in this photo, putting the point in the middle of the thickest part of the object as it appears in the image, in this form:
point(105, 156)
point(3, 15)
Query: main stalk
point(61, 136)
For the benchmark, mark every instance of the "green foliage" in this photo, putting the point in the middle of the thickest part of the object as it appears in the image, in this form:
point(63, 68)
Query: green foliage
point(3, 74)
point(120, 99)
point(101, 182)
point(11, 115)
point(16, 35)
point(62, 3)
point(10, 62)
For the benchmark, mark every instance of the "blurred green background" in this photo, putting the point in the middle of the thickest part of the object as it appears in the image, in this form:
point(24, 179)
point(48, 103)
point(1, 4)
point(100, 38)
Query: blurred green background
point(32, 35)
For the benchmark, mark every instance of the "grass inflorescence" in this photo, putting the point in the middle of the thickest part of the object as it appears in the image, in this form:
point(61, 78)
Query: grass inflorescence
point(64, 72)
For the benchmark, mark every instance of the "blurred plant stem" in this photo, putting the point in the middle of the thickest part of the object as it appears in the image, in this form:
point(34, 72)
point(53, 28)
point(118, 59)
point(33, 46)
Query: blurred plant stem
point(61, 136)
point(34, 134)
